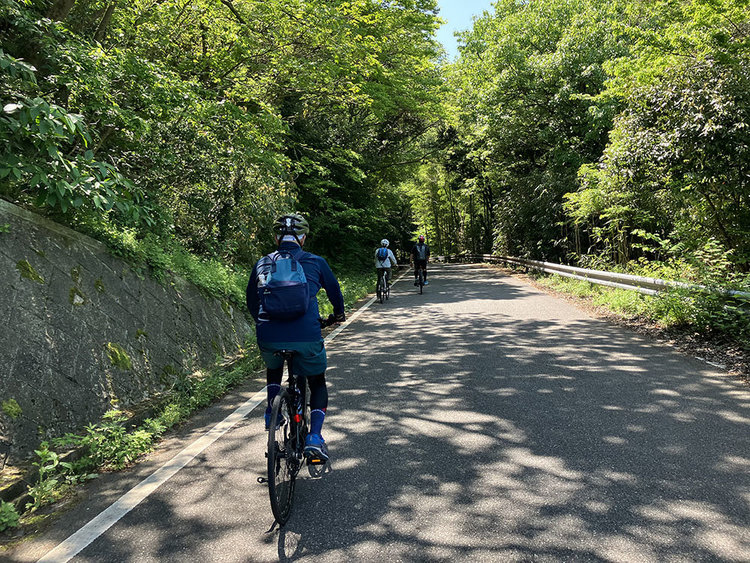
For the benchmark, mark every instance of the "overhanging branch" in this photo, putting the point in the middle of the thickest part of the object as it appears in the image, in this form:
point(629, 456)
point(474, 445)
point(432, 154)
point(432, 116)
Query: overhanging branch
point(230, 5)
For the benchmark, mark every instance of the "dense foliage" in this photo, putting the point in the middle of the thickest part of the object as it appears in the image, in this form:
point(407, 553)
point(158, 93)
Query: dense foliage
point(602, 132)
point(198, 121)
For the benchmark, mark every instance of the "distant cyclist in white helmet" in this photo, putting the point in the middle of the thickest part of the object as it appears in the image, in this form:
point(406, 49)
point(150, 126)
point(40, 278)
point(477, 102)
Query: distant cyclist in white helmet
point(384, 260)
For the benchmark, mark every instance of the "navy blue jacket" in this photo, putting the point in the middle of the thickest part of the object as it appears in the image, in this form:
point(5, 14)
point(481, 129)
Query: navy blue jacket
point(306, 328)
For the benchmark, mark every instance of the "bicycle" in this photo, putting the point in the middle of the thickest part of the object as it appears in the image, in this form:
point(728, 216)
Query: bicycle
point(420, 278)
point(383, 290)
point(290, 420)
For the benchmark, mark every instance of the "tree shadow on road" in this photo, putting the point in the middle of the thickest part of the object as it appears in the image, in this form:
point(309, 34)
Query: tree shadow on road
point(471, 435)
point(482, 420)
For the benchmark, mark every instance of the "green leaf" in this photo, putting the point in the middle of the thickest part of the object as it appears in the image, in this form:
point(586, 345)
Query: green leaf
point(69, 123)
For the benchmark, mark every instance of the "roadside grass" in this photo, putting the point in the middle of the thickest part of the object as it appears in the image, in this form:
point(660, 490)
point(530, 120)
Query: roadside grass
point(354, 286)
point(158, 255)
point(702, 312)
point(8, 516)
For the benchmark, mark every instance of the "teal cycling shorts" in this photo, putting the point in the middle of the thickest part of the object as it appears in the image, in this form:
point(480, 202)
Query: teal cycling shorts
point(310, 358)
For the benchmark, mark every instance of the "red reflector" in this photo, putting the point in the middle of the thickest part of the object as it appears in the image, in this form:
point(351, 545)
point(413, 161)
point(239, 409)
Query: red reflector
point(297, 418)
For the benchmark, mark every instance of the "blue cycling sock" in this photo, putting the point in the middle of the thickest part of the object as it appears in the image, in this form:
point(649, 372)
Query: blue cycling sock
point(316, 421)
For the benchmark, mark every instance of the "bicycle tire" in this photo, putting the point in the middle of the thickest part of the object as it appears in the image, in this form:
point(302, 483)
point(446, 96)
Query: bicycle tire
point(282, 463)
point(379, 289)
point(421, 280)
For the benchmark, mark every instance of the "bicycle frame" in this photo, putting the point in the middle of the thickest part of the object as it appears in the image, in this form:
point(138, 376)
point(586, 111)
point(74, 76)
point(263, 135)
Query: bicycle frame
point(382, 286)
point(296, 388)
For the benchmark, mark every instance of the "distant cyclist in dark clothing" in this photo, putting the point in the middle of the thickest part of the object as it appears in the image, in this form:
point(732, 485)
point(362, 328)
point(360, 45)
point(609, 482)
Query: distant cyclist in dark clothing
point(419, 255)
point(301, 334)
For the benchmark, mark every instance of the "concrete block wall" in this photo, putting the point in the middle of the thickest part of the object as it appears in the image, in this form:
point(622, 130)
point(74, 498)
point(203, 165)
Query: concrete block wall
point(81, 332)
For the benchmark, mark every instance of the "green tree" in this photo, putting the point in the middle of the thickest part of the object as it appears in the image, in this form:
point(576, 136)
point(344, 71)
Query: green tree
point(527, 110)
point(223, 113)
point(676, 165)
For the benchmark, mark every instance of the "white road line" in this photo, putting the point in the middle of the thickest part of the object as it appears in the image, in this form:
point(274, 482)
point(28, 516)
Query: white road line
point(127, 502)
point(710, 363)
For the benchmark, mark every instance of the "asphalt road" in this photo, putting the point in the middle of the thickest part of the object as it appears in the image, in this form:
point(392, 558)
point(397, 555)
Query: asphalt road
point(481, 421)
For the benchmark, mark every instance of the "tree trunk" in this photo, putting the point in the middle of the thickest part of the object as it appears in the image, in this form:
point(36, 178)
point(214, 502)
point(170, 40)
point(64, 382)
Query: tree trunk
point(60, 10)
point(438, 230)
point(101, 31)
point(489, 204)
point(472, 236)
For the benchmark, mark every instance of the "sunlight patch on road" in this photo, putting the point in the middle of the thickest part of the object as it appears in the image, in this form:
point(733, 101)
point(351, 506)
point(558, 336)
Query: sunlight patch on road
point(524, 457)
point(344, 464)
point(731, 416)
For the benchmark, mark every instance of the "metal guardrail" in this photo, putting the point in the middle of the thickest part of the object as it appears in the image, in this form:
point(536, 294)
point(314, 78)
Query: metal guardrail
point(641, 284)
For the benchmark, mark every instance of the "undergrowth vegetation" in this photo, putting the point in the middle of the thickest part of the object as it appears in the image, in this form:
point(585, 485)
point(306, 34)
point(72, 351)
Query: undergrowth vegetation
point(160, 254)
point(112, 445)
point(8, 516)
point(354, 286)
point(701, 311)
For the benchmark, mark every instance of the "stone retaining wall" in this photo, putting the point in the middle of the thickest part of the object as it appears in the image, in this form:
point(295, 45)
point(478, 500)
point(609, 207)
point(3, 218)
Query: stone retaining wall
point(80, 331)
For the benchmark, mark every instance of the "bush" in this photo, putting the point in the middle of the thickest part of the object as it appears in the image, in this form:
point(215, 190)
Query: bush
point(701, 310)
point(8, 516)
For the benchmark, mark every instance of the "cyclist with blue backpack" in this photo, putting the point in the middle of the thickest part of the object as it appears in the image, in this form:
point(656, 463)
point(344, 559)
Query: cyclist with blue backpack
point(282, 298)
point(384, 260)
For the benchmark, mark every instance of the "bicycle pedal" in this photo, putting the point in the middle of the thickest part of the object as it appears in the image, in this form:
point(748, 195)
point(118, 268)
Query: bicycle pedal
point(315, 461)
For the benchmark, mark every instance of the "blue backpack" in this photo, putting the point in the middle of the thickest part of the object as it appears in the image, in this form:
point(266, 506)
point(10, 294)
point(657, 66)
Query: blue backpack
point(382, 253)
point(282, 286)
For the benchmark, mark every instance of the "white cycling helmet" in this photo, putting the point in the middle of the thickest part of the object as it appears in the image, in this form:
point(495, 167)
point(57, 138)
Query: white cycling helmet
point(384, 242)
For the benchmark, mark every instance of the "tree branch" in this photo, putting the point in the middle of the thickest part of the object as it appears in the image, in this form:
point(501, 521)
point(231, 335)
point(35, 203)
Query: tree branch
point(230, 5)
point(405, 162)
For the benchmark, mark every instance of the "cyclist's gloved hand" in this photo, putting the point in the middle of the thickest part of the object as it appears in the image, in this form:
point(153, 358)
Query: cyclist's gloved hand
point(328, 321)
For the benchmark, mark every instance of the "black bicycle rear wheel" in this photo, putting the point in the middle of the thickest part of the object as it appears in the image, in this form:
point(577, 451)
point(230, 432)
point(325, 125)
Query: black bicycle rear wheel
point(421, 280)
point(282, 463)
point(380, 289)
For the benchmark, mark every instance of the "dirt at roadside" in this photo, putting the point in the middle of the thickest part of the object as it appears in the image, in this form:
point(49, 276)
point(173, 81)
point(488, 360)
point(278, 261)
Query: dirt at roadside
point(717, 350)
